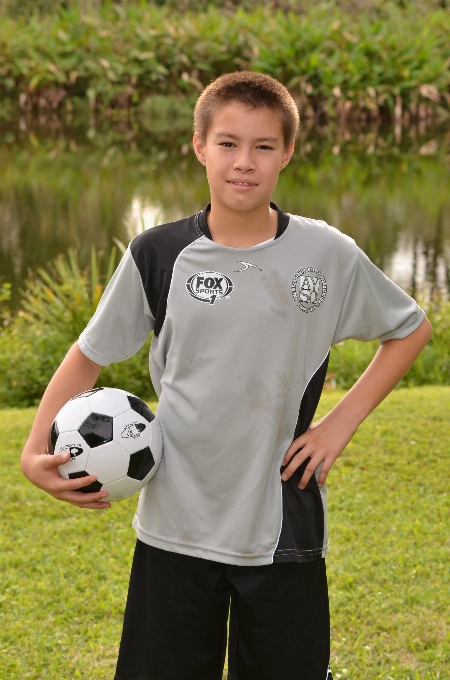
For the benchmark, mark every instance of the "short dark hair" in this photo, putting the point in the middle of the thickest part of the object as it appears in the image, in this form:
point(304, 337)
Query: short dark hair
point(255, 90)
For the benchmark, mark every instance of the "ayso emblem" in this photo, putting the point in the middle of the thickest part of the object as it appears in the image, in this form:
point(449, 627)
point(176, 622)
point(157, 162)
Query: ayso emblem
point(209, 286)
point(73, 449)
point(309, 289)
point(133, 430)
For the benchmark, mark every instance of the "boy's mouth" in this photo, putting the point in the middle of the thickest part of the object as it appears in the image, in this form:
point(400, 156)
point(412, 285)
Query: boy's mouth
point(241, 183)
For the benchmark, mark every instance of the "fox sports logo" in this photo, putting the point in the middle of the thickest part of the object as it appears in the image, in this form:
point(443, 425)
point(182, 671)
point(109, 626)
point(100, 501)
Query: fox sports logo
point(209, 286)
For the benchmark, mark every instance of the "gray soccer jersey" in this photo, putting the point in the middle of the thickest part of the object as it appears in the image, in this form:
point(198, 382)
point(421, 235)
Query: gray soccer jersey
point(238, 359)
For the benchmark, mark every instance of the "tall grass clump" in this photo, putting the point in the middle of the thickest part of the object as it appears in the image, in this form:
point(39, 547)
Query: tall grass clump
point(57, 303)
point(340, 60)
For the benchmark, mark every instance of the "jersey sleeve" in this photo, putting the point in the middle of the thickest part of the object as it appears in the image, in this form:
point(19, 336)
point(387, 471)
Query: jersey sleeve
point(122, 321)
point(375, 307)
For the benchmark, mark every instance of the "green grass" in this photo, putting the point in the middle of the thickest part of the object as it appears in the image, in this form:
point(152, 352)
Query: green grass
point(65, 571)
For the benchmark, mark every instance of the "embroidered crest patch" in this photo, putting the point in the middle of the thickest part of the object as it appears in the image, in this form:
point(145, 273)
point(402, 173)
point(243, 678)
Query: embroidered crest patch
point(309, 289)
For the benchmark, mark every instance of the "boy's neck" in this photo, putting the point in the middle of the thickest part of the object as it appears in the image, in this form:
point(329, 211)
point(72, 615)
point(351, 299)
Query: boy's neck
point(241, 229)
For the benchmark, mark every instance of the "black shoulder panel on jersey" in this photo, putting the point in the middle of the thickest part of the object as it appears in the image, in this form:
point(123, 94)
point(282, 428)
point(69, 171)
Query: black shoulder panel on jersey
point(302, 532)
point(156, 250)
point(154, 253)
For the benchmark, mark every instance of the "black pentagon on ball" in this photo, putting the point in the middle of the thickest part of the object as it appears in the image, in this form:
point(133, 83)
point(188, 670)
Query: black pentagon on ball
point(97, 429)
point(90, 488)
point(141, 407)
point(54, 434)
point(87, 393)
point(141, 463)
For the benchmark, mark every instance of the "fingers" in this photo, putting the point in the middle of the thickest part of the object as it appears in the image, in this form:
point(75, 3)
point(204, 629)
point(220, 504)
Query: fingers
point(92, 501)
point(88, 501)
point(304, 447)
point(78, 483)
point(315, 461)
point(292, 450)
point(41, 469)
point(309, 470)
point(53, 483)
point(47, 477)
point(308, 473)
point(323, 474)
point(294, 464)
point(69, 492)
point(94, 506)
point(52, 461)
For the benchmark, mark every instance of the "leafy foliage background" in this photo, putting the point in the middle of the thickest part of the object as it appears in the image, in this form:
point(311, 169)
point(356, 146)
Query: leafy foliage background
point(57, 305)
point(338, 58)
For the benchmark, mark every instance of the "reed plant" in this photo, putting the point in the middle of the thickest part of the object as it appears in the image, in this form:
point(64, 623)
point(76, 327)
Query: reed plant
point(339, 60)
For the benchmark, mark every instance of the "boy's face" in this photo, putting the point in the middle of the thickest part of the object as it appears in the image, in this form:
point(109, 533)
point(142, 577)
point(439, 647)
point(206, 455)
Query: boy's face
point(243, 154)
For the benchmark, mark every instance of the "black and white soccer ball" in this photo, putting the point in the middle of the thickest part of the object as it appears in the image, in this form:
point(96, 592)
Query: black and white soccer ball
point(111, 434)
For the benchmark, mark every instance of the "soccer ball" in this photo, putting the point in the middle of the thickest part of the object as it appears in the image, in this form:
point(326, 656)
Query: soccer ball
point(111, 434)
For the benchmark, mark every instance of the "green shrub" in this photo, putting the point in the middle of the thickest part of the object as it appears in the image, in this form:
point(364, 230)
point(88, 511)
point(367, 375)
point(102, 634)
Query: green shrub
point(350, 358)
point(42, 7)
point(57, 304)
point(338, 59)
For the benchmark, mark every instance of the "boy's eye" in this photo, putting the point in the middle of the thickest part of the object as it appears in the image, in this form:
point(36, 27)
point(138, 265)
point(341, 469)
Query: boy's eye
point(229, 145)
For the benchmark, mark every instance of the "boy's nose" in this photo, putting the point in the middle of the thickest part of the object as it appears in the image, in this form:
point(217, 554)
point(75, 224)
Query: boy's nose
point(244, 163)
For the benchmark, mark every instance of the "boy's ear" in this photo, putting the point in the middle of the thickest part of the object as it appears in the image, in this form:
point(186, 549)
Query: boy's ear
point(199, 149)
point(287, 155)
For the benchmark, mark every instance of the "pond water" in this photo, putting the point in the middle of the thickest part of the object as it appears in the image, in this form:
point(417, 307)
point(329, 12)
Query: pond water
point(76, 187)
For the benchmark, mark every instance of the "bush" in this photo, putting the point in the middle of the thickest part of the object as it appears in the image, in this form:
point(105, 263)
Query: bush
point(350, 358)
point(378, 59)
point(57, 304)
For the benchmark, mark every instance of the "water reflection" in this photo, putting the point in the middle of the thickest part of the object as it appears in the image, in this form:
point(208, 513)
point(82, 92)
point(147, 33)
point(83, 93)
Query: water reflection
point(142, 215)
point(418, 267)
point(58, 193)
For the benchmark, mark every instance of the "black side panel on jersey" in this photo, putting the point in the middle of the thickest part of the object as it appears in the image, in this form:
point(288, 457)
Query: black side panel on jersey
point(154, 253)
point(303, 527)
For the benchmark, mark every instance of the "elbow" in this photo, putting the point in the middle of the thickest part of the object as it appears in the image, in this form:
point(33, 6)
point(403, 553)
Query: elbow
point(424, 332)
point(428, 329)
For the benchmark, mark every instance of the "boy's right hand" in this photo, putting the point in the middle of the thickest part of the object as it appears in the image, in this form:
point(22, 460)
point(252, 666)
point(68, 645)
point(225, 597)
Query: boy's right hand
point(41, 470)
point(76, 374)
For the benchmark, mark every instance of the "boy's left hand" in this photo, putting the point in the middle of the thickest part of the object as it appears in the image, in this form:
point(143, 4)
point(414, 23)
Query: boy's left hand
point(322, 443)
point(327, 438)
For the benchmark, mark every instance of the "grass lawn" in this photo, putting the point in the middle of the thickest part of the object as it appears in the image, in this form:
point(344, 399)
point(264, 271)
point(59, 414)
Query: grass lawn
point(65, 571)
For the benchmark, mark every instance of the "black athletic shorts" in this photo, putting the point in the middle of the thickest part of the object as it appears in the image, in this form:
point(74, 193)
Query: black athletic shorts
point(175, 625)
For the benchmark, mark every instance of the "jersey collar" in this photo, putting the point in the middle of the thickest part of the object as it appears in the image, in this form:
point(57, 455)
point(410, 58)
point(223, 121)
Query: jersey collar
point(283, 220)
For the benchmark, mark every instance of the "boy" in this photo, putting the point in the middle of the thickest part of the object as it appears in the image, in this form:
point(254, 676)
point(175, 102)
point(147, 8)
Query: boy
point(245, 302)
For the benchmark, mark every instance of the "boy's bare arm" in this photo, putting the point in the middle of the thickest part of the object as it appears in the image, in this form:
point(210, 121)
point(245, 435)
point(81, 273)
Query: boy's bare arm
point(76, 374)
point(327, 438)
